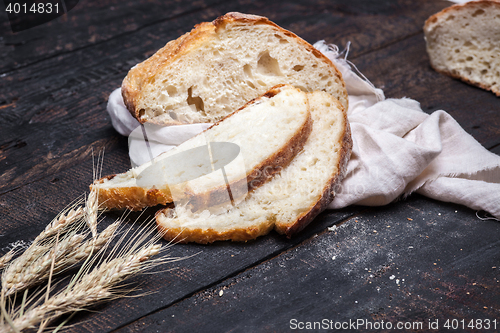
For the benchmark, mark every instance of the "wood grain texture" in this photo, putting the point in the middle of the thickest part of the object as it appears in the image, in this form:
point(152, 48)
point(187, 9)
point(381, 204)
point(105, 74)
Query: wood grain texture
point(54, 83)
point(378, 266)
point(87, 24)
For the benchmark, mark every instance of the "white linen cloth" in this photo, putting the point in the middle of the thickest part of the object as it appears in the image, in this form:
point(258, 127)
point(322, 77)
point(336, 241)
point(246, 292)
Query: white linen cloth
point(397, 149)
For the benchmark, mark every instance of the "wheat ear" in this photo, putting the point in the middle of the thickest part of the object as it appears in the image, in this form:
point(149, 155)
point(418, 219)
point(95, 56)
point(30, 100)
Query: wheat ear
point(34, 263)
point(88, 248)
point(59, 224)
point(91, 209)
point(38, 269)
point(96, 286)
point(4, 260)
point(35, 250)
point(14, 270)
point(92, 203)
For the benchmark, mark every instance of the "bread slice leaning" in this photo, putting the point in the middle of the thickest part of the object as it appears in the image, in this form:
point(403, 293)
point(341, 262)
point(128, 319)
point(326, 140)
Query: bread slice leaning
point(463, 41)
point(223, 163)
point(211, 71)
point(289, 201)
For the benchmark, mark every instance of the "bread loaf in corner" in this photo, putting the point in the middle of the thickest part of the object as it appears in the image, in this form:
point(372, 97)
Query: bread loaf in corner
point(463, 41)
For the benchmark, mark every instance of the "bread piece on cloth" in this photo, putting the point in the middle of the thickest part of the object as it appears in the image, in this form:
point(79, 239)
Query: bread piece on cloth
point(257, 141)
point(463, 41)
point(290, 200)
point(211, 71)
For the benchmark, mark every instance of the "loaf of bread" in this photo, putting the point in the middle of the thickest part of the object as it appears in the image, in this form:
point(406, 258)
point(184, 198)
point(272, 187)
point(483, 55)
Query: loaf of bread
point(463, 41)
point(209, 72)
point(220, 165)
point(286, 203)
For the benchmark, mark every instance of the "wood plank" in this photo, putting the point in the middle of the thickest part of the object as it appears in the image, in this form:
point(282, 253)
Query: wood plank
point(87, 24)
point(26, 210)
point(368, 25)
point(377, 266)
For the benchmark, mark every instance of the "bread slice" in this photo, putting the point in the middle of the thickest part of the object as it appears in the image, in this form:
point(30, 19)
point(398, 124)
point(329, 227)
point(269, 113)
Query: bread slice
point(289, 201)
point(209, 72)
point(221, 164)
point(463, 41)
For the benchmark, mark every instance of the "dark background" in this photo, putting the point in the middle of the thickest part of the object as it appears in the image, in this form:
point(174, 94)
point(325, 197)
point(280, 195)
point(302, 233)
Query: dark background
point(414, 260)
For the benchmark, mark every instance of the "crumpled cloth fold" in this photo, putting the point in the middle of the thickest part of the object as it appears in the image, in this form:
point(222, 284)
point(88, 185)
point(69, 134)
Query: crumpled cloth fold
point(397, 148)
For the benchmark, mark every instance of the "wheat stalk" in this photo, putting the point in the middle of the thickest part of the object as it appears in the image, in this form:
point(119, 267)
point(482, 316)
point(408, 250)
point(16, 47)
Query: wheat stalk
point(62, 244)
point(4, 260)
point(89, 247)
point(94, 287)
point(59, 224)
point(91, 209)
point(34, 267)
point(37, 268)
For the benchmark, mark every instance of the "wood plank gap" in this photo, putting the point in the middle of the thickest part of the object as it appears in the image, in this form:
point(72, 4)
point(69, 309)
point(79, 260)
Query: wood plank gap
point(494, 146)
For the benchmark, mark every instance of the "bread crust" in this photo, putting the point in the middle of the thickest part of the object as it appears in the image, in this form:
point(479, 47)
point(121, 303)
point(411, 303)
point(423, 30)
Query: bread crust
point(136, 198)
point(144, 72)
point(206, 236)
point(480, 4)
point(433, 21)
point(466, 80)
point(289, 229)
point(133, 198)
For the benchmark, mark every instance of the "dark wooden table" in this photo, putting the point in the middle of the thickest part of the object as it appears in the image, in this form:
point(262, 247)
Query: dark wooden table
point(416, 260)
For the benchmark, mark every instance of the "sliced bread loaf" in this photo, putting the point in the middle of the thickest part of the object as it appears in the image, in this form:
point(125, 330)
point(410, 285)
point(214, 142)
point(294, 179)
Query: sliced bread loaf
point(286, 203)
point(463, 41)
point(209, 72)
point(219, 165)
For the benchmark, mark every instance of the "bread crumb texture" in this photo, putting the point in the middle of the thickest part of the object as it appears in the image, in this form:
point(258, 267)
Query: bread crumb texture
point(192, 170)
point(463, 41)
point(290, 200)
point(208, 73)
